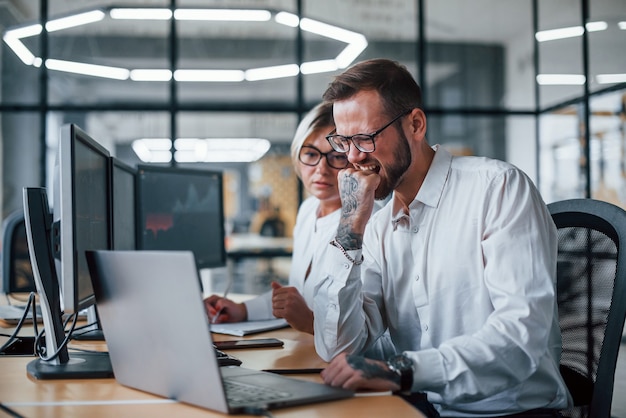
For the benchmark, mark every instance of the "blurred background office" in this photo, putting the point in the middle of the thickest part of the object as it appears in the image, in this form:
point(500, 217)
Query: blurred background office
point(175, 82)
point(222, 84)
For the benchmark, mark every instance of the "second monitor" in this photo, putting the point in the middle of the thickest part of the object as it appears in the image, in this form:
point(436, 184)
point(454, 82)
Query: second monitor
point(181, 209)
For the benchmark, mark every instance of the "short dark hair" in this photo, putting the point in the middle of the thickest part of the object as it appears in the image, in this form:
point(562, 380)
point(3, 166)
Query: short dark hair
point(394, 83)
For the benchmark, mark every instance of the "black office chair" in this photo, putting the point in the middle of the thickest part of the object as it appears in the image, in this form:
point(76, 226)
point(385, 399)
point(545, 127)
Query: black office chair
point(17, 273)
point(591, 293)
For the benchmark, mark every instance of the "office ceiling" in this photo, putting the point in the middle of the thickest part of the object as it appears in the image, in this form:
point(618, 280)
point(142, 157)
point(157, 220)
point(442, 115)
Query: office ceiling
point(382, 21)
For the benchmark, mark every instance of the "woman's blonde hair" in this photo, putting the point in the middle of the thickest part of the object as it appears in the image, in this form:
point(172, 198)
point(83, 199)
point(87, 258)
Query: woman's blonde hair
point(321, 116)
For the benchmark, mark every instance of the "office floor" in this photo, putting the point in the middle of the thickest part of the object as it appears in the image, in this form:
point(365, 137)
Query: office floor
point(253, 277)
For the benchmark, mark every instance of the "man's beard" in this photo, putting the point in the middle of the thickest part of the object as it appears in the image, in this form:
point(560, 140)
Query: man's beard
point(395, 172)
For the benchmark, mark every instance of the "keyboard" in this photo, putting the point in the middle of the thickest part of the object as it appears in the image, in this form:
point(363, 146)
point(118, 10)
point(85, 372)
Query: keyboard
point(224, 359)
point(241, 394)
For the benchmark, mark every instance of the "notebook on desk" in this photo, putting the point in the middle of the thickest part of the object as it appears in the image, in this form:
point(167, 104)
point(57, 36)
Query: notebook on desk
point(172, 355)
point(240, 329)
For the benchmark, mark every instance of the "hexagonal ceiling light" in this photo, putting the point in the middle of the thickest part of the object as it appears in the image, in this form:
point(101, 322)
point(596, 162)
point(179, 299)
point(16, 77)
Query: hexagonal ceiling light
point(355, 44)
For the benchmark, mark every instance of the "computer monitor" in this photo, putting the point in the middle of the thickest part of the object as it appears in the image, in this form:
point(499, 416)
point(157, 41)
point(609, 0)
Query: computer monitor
point(82, 210)
point(55, 362)
point(181, 209)
point(17, 272)
point(123, 203)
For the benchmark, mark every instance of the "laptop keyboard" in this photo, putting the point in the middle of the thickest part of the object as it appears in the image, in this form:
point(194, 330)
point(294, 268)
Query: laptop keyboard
point(239, 394)
point(224, 359)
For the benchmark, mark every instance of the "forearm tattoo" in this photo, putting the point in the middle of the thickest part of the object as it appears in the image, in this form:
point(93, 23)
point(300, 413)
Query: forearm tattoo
point(348, 240)
point(349, 204)
point(371, 370)
point(348, 190)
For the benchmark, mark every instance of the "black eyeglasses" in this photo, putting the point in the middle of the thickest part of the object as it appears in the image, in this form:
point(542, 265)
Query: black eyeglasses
point(362, 142)
point(309, 155)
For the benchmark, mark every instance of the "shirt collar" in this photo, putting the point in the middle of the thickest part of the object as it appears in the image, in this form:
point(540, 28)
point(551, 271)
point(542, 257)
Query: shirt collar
point(432, 188)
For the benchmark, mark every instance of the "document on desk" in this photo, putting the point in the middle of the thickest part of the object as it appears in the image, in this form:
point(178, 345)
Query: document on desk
point(240, 329)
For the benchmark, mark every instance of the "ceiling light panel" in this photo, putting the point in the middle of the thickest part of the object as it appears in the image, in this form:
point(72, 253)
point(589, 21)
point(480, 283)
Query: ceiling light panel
point(352, 44)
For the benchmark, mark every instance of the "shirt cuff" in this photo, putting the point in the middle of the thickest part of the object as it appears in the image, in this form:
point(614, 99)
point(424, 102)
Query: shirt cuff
point(260, 307)
point(427, 369)
point(339, 267)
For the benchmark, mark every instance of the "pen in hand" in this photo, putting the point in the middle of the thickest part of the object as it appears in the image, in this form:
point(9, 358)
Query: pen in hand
point(219, 312)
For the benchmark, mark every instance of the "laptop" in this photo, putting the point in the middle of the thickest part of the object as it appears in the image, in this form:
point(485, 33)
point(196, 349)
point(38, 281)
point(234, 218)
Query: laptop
point(172, 354)
point(12, 314)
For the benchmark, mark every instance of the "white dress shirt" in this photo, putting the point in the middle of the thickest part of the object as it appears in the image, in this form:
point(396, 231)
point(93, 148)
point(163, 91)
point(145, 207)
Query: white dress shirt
point(465, 284)
point(311, 235)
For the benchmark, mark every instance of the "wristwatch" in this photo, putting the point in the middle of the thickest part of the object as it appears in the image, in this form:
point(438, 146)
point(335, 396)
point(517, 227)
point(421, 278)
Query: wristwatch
point(403, 367)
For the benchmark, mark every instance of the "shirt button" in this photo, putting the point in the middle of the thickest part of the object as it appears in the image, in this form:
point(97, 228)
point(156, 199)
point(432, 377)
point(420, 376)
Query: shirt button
point(346, 266)
point(417, 278)
point(415, 229)
point(425, 327)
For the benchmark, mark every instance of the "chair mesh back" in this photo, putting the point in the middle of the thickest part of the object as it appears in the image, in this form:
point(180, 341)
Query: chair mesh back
point(586, 270)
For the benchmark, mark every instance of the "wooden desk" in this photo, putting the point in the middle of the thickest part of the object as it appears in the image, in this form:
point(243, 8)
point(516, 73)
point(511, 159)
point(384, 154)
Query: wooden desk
point(106, 398)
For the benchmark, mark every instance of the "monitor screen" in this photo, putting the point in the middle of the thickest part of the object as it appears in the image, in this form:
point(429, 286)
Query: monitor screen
point(123, 201)
point(81, 213)
point(181, 209)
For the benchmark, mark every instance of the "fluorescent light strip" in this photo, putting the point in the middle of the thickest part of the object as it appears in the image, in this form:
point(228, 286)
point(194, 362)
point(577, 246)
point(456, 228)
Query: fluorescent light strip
point(153, 150)
point(209, 75)
point(19, 49)
point(223, 15)
point(160, 157)
point(186, 144)
point(156, 144)
point(569, 32)
point(329, 31)
point(611, 78)
point(75, 20)
point(221, 156)
point(191, 150)
point(150, 75)
point(103, 71)
point(621, 25)
point(287, 19)
point(24, 32)
point(267, 73)
point(596, 26)
point(351, 52)
point(356, 44)
point(141, 150)
point(141, 14)
point(554, 34)
point(315, 67)
point(560, 79)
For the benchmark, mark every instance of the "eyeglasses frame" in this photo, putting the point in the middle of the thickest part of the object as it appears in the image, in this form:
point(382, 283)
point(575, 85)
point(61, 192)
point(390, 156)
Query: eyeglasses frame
point(372, 136)
point(322, 154)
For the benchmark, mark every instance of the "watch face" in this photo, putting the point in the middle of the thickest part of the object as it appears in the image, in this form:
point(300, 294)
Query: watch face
point(400, 362)
point(403, 366)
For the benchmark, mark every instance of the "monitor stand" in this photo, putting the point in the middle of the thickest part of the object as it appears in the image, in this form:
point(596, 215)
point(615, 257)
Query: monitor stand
point(62, 365)
point(79, 366)
point(93, 332)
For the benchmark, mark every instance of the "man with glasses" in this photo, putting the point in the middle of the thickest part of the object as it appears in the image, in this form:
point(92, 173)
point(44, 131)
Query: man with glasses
point(459, 267)
point(316, 164)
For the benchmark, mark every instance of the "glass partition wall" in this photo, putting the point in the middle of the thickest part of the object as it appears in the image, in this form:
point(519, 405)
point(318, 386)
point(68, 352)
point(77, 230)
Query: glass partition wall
point(223, 83)
point(582, 100)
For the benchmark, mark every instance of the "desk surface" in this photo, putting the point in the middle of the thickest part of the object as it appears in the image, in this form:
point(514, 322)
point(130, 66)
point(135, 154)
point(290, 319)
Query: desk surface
point(105, 397)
